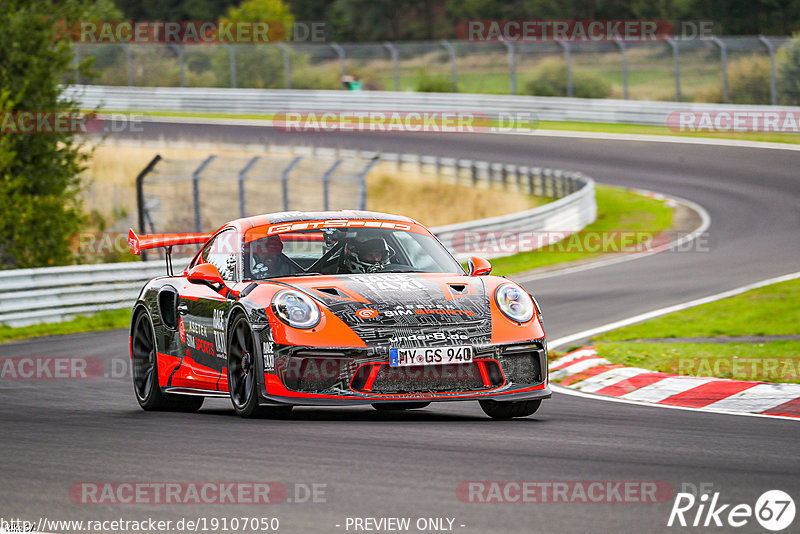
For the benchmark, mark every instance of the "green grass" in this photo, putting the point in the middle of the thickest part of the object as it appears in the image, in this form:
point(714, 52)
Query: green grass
point(573, 126)
point(617, 210)
point(105, 320)
point(776, 361)
point(770, 310)
point(767, 311)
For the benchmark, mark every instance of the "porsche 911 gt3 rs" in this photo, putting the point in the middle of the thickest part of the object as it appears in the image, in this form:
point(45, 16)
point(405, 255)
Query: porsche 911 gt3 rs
point(333, 308)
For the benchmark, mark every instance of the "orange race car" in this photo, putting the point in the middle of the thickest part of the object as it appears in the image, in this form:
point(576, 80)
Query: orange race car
point(333, 308)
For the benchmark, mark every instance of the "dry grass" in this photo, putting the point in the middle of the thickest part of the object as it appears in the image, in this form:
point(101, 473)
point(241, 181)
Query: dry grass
point(434, 203)
point(112, 172)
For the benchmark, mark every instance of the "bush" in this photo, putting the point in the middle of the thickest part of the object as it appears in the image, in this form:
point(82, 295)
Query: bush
point(427, 83)
point(550, 79)
point(787, 67)
point(748, 82)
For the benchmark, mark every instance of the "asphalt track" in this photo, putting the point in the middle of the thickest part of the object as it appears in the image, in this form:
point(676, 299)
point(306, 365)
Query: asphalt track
point(57, 433)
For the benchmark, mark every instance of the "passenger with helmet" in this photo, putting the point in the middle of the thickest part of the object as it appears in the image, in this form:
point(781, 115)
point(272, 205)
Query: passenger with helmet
point(370, 256)
point(266, 258)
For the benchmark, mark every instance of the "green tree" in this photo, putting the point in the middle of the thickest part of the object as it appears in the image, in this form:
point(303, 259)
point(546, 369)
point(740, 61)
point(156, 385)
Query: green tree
point(39, 173)
point(257, 65)
point(787, 65)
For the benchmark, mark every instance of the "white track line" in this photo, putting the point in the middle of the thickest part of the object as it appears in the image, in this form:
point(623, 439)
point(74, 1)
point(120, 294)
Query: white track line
point(669, 309)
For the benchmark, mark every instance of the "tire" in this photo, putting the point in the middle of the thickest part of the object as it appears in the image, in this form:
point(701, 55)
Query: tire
point(242, 374)
point(144, 365)
point(507, 410)
point(399, 406)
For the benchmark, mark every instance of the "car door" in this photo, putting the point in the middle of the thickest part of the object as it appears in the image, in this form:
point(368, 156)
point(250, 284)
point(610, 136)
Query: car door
point(204, 311)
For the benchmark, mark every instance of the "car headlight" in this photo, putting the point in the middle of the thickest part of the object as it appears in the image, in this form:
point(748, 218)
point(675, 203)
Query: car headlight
point(515, 303)
point(296, 309)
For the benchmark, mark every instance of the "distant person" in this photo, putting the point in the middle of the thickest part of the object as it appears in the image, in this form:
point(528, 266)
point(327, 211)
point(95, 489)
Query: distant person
point(351, 83)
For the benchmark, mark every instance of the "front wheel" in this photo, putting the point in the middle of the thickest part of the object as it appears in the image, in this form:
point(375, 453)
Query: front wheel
point(242, 374)
point(144, 362)
point(507, 410)
point(399, 406)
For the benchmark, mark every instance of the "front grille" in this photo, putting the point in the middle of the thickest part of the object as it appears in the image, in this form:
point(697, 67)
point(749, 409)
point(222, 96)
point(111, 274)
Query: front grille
point(428, 378)
point(316, 370)
point(523, 364)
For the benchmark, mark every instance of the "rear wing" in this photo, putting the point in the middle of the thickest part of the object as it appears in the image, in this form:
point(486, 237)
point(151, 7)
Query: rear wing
point(144, 242)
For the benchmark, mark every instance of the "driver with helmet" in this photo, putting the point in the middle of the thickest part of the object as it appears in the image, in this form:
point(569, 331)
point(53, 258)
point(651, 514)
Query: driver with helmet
point(266, 258)
point(368, 256)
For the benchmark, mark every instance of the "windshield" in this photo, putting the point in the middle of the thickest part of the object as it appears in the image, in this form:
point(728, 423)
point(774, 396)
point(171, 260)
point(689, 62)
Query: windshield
point(343, 250)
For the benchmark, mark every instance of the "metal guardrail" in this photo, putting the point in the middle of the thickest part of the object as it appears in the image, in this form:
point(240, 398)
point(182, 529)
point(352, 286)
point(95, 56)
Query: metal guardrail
point(53, 294)
point(508, 108)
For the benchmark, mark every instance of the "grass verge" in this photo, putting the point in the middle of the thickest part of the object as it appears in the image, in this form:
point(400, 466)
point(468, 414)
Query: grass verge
point(620, 215)
point(104, 320)
point(767, 311)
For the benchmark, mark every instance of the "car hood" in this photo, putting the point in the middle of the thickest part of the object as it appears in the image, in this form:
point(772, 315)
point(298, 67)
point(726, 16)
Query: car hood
point(412, 300)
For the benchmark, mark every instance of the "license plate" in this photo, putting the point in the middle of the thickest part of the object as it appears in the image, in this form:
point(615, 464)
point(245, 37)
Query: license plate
point(429, 356)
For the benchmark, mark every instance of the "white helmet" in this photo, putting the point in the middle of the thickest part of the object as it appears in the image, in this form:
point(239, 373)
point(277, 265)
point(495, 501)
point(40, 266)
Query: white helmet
point(368, 256)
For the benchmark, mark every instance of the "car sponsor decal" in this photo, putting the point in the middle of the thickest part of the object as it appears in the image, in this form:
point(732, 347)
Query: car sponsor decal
point(367, 313)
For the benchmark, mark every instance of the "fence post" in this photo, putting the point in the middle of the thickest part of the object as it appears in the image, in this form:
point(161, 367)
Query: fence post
point(140, 195)
point(287, 66)
point(76, 56)
point(198, 222)
point(285, 181)
point(129, 62)
point(395, 66)
point(568, 64)
point(362, 183)
point(326, 179)
point(512, 66)
point(232, 63)
point(723, 57)
point(242, 175)
point(624, 53)
point(773, 88)
point(453, 69)
point(340, 52)
point(181, 68)
point(677, 66)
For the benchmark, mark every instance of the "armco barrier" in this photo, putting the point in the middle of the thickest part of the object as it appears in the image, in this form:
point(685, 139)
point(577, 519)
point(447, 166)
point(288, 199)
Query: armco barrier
point(268, 101)
point(53, 294)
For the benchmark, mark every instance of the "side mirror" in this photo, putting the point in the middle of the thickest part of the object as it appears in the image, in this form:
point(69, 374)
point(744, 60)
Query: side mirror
point(479, 266)
point(204, 273)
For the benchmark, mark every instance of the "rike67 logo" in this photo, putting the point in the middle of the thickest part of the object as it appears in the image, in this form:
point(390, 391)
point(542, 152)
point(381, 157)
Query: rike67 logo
point(774, 510)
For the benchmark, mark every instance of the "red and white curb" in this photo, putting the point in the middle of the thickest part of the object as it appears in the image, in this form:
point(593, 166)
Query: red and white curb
point(583, 370)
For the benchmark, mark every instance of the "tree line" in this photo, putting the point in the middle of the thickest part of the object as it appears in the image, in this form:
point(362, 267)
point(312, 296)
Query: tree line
point(408, 20)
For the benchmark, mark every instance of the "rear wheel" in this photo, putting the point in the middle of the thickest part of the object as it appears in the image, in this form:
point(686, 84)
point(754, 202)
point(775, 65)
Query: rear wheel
point(399, 406)
point(242, 374)
point(145, 372)
point(507, 410)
